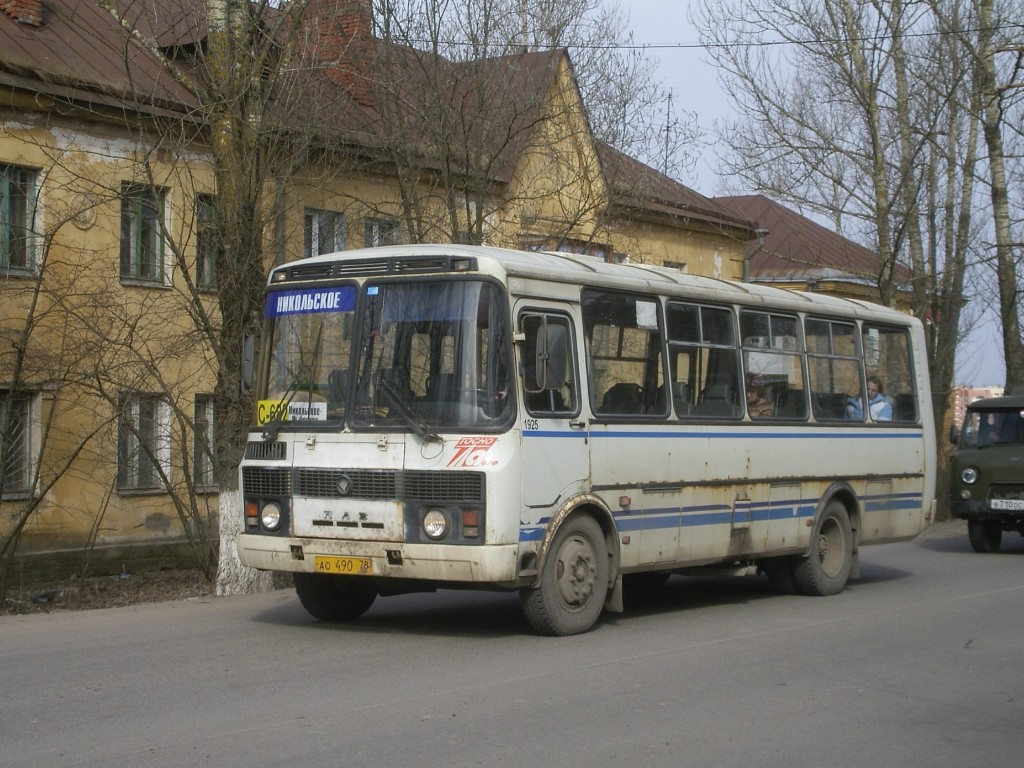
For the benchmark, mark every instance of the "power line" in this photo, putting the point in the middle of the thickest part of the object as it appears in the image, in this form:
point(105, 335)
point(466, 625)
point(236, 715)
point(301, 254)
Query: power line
point(752, 44)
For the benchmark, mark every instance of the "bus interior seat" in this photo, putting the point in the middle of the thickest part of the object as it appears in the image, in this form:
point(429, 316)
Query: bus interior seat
point(792, 404)
point(829, 405)
point(441, 387)
point(624, 397)
point(545, 401)
point(398, 378)
point(717, 400)
point(682, 397)
point(904, 409)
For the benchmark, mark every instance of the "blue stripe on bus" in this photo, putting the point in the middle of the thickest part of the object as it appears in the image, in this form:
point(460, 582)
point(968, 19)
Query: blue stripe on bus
point(627, 521)
point(749, 435)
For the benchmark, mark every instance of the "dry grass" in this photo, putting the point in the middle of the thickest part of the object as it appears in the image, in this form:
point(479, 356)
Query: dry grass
point(39, 595)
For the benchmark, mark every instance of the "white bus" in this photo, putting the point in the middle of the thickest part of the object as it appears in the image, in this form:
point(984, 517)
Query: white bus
point(469, 417)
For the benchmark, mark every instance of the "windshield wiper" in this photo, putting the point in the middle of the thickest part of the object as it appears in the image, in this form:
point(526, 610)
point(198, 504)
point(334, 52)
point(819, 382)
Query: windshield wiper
point(395, 398)
point(272, 427)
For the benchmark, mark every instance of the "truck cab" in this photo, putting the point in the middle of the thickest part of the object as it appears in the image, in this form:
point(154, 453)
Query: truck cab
point(987, 470)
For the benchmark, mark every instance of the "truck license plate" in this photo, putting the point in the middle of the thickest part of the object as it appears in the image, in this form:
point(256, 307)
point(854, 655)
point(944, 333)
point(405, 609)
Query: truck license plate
point(1010, 504)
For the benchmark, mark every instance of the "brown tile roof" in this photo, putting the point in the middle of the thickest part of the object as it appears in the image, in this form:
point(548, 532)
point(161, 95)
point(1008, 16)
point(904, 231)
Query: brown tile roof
point(80, 52)
point(635, 185)
point(799, 249)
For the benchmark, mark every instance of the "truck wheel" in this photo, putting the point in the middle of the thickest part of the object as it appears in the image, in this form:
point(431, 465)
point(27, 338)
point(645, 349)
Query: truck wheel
point(984, 538)
point(334, 598)
point(573, 583)
point(826, 568)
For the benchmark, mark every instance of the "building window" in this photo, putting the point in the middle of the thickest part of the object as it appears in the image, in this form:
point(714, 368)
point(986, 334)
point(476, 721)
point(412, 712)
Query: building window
point(17, 444)
point(378, 232)
point(207, 243)
point(323, 232)
point(143, 443)
point(17, 204)
point(142, 233)
point(204, 443)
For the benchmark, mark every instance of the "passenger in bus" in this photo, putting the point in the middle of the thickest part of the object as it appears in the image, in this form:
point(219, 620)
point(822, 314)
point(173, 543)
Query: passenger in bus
point(757, 404)
point(878, 406)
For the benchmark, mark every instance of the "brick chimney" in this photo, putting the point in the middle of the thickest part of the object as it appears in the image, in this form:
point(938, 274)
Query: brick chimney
point(343, 43)
point(24, 11)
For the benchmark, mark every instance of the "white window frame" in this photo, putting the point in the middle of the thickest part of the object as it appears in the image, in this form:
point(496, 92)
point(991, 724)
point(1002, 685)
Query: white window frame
point(132, 459)
point(31, 214)
point(204, 443)
point(133, 275)
point(312, 223)
point(28, 451)
point(379, 232)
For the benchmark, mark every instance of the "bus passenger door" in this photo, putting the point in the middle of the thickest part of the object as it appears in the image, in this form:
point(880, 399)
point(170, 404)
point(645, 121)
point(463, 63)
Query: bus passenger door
point(555, 462)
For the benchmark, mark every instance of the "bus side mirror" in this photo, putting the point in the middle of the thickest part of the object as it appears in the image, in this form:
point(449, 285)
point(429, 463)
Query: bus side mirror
point(552, 353)
point(248, 360)
point(954, 434)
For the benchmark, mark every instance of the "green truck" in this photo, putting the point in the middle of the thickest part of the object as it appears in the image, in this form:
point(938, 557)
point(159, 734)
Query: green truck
point(987, 470)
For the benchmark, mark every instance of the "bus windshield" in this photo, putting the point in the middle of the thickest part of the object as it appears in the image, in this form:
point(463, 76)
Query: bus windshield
point(310, 336)
point(433, 354)
point(430, 355)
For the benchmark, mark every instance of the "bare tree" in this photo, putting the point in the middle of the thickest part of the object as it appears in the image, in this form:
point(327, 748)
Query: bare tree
point(863, 113)
point(997, 85)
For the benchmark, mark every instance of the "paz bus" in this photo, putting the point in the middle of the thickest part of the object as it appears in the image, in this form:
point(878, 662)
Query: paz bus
point(470, 417)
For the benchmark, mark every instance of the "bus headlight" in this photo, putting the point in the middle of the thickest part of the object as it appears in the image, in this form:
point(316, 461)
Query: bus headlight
point(436, 524)
point(969, 475)
point(270, 516)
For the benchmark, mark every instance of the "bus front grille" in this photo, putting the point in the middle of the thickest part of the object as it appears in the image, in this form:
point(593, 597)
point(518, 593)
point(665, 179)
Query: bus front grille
point(266, 481)
point(389, 485)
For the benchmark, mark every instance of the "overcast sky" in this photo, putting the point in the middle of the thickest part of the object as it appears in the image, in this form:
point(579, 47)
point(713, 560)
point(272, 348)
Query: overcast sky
point(695, 87)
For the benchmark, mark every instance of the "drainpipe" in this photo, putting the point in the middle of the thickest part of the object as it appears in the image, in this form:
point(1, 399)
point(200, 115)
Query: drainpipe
point(761, 233)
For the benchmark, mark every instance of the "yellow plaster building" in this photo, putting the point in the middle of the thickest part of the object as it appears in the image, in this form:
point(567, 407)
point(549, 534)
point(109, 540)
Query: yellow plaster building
point(108, 284)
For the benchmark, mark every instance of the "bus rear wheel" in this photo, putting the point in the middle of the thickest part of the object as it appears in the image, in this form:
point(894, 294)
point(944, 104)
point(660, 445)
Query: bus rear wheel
point(574, 581)
point(334, 598)
point(826, 569)
point(984, 538)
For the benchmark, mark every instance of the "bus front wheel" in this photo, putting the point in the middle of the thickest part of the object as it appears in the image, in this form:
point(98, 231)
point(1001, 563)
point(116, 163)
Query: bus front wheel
point(334, 598)
point(826, 568)
point(574, 581)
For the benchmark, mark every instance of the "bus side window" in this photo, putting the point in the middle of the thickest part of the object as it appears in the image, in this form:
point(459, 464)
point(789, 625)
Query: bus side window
point(834, 369)
point(887, 356)
point(624, 354)
point(704, 362)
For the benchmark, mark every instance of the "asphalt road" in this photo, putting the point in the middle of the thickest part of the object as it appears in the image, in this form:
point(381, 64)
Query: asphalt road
point(916, 664)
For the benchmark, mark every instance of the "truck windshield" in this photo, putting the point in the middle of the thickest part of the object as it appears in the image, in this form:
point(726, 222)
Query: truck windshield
point(987, 427)
point(433, 355)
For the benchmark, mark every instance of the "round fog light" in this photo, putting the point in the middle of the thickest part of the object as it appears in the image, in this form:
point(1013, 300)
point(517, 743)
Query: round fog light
point(270, 516)
point(435, 524)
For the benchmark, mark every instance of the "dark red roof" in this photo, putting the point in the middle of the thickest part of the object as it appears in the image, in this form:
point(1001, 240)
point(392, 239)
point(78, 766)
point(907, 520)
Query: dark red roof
point(797, 248)
point(79, 51)
point(636, 185)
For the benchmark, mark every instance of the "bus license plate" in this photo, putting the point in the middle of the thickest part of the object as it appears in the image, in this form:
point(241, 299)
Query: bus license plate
point(1011, 504)
point(343, 566)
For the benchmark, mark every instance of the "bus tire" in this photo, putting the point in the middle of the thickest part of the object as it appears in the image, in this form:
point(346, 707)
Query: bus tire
point(984, 538)
point(826, 568)
point(334, 598)
point(573, 582)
